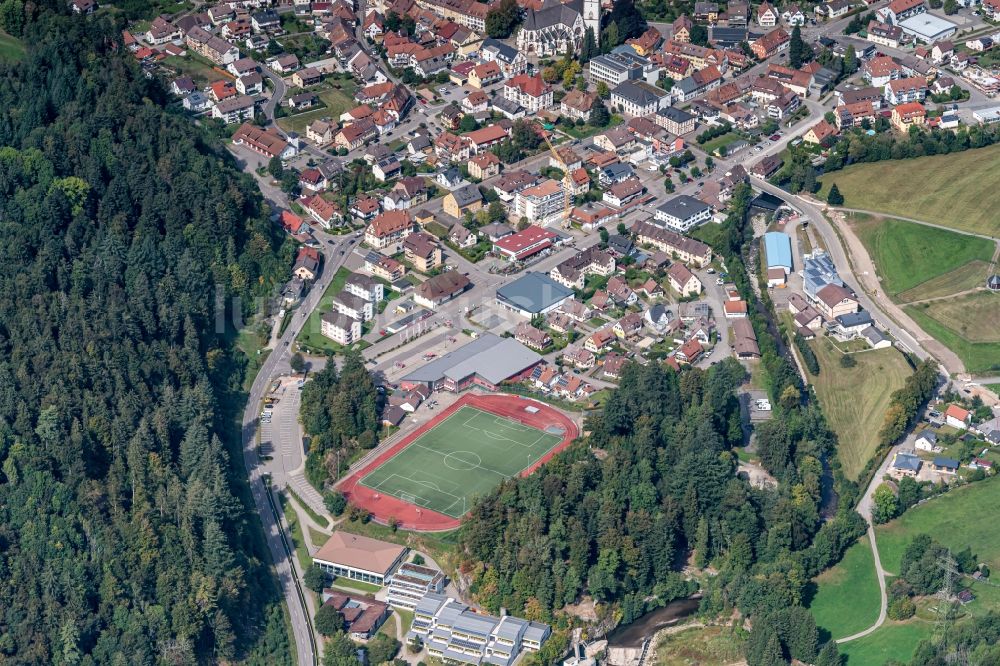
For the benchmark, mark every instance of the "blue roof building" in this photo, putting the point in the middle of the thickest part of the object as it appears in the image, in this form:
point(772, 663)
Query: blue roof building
point(778, 248)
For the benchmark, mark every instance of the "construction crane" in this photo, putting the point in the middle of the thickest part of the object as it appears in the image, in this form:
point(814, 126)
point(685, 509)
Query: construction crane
point(567, 203)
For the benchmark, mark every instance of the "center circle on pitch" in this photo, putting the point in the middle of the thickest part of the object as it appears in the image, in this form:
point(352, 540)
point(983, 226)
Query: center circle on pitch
point(462, 461)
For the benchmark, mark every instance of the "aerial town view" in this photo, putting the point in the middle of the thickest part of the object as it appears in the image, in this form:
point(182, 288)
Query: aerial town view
point(500, 332)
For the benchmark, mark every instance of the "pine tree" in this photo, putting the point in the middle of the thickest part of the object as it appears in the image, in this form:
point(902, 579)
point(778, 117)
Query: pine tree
point(829, 655)
point(589, 47)
point(835, 198)
point(797, 49)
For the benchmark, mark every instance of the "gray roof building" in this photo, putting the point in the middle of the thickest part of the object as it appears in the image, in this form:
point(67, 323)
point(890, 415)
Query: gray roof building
point(531, 294)
point(489, 357)
point(819, 271)
point(639, 93)
point(450, 629)
point(466, 195)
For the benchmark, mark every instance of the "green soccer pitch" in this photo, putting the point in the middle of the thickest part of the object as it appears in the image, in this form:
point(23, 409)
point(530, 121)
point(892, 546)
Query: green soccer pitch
point(466, 455)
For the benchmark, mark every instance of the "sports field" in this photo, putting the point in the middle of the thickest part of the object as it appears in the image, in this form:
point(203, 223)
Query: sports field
point(465, 455)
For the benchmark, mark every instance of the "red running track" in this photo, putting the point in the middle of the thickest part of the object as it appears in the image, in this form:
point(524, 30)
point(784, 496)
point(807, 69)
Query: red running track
point(412, 517)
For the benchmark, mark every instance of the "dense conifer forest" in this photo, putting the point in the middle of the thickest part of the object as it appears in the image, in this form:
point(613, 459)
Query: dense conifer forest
point(124, 538)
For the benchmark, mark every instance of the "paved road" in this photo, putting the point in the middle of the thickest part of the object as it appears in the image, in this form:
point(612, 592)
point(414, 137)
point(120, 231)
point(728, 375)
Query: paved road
point(276, 365)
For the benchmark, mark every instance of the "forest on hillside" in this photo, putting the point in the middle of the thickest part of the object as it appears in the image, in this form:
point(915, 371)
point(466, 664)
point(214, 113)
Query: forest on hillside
point(124, 538)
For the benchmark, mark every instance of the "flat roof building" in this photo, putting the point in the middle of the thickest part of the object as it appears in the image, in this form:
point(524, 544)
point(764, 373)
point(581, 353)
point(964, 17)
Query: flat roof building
point(532, 294)
point(486, 361)
point(928, 28)
point(682, 213)
point(778, 247)
point(359, 557)
point(452, 631)
point(411, 582)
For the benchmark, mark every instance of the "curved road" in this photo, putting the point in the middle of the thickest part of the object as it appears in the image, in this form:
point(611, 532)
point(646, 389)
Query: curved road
point(277, 364)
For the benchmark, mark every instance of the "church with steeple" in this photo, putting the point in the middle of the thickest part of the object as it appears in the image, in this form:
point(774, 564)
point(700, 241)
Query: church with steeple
point(557, 27)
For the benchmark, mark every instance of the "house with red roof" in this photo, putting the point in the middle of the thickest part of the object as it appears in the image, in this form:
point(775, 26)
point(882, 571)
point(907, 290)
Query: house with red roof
point(531, 92)
point(957, 417)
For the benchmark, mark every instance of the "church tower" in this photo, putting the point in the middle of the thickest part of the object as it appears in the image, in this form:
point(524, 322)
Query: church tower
point(592, 18)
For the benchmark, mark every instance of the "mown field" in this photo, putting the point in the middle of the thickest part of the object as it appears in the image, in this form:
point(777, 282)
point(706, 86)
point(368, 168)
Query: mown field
point(11, 48)
point(948, 519)
point(968, 325)
point(939, 277)
point(854, 400)
point(893, 640)
point(949, 190)
point(847, 595)
point(911, 256)
point(335, 102)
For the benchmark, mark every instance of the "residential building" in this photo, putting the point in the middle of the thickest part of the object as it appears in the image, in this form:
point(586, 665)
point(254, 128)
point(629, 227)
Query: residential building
point(770, 44)
point(900, 10)
point(541, 203)
point(528, 91)
point(683, 281)
point(880, 70)
point(388, 229)
point(511, 61)
point(208, 45)
point(462, 200)
point(359, 558)
point(674, 120)
point(572, 272)
point(909, 89)
point(688, 250)
point(234, 109)
point(531, 337)
point(422, 251)
point(853, 115)
point(910, 114)
point(885, 34)
point(441, 288)
point(767, 15)
point(484, 165)
point(820, 134)
point(384, 267)
point(682, 213)
point(577, 104)
point(834, 300)
point(362, 615)
point(266, 142)
point(957, 417)
point(698, 83)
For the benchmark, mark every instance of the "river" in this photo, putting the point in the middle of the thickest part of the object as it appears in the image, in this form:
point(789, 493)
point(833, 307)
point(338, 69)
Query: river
point(633, 635)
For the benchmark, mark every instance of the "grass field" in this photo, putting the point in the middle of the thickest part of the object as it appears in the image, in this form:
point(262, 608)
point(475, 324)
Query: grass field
point(948, 519)
point(201, 70)
point(893, 640)
point(944, 189)
point(11, 48)
point(963, 278)
point(854, 400)
point(908, 254)
point(335, 103)
point(719, 141)
point(701, 645)
point(969, 334)
point(847, 597)
point(460, 458)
